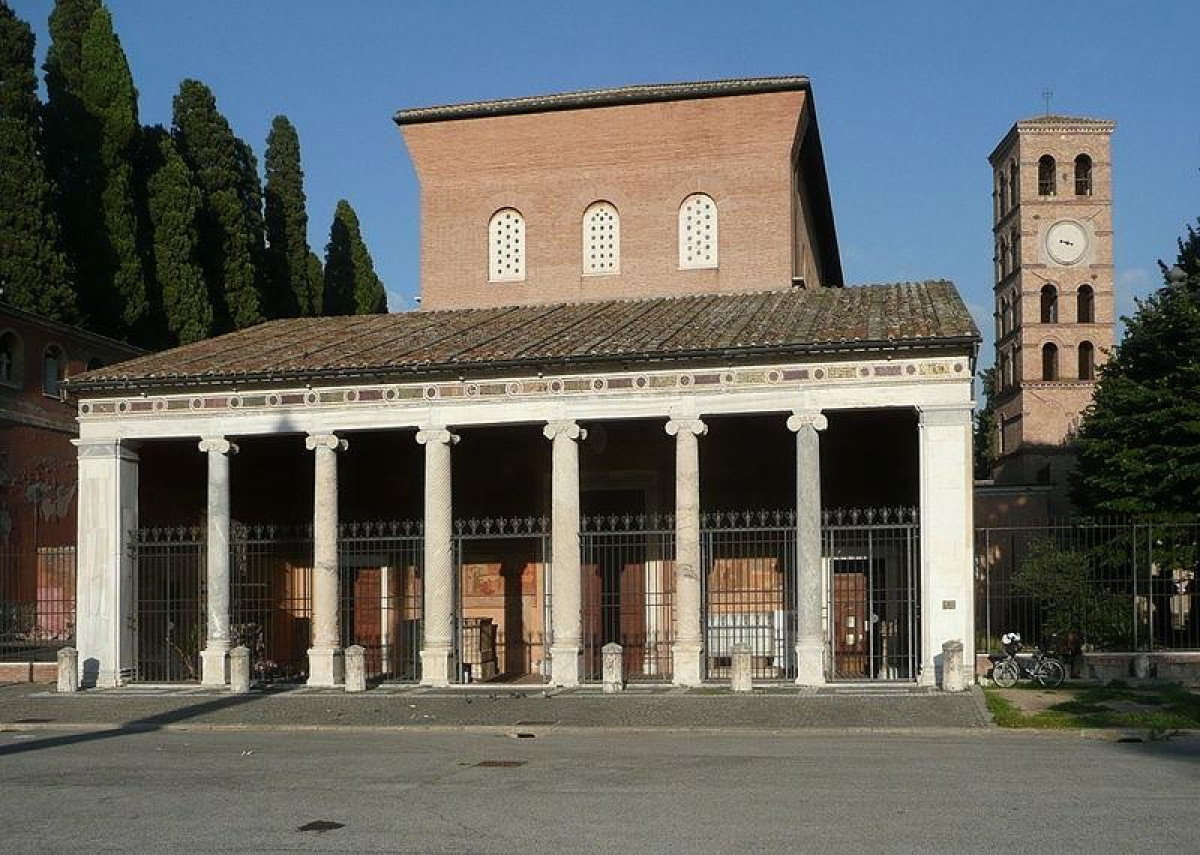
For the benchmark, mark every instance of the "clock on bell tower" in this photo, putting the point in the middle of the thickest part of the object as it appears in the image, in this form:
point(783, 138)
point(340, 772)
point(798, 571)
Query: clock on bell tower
point(1054, 313)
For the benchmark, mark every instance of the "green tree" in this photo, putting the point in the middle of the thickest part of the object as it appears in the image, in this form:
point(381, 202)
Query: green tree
point(1138, 445)
point(114, 278)
point(173, 208)
point(231, 237)
point(985, 426)
point(292, 293)
point(351, 286)
point(33, 271)
point(316, 280)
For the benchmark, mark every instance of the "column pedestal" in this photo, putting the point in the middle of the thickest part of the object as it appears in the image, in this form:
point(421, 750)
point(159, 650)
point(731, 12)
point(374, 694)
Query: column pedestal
point(326, 666)
point(214, 664)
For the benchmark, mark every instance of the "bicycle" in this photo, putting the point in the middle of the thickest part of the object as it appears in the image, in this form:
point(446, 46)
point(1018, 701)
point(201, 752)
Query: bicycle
point(1047, 670)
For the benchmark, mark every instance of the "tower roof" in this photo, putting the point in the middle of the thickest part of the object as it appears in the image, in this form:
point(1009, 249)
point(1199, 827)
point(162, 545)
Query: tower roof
point(1052, 123)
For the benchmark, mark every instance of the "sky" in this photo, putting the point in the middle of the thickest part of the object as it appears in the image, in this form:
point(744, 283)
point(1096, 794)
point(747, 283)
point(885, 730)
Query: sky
point(911, 98)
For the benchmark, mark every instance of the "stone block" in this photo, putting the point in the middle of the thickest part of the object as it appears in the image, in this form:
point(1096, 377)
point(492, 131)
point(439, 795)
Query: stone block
point(1141, 666)
point(239, 670)
point(613, 668)
point(356, 669)
point(741, 673)
point(953, 678)
point(68, 670)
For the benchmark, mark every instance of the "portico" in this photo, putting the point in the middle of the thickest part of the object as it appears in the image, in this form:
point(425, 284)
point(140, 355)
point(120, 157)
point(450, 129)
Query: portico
point(566, 405)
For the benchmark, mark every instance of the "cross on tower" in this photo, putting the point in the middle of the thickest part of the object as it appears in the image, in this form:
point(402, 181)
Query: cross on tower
point(1047, 94)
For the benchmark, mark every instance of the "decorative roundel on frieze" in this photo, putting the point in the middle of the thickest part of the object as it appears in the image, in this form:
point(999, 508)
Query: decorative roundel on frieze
point(85, 409)
point(391, 394)
point(472, 390)
point(684, 381)
point(641, 382)
point(159, 405)
point(196, 403)
point(431, 392)
point(599, 384)
point(728, 378)
point(234, 401)
point(351, 396)
point(819, 374)
point(122, 407)
point(774, 375)
point(512, 387)
point(556, 386)
point(274, 400)
point(311, 397)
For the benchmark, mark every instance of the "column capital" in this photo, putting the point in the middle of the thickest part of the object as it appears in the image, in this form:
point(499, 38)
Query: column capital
point(437, 436)
point(218, 445)
point(692, 426)
point(325, 440)
point(945, 415)
point(121, 449)
point(801, 419)
point(565, 428)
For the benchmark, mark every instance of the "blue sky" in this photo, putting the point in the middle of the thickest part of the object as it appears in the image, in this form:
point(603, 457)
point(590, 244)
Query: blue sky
point(911, 98)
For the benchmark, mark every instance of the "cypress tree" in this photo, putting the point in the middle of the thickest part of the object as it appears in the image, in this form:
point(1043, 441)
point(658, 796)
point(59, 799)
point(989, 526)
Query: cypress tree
point(1138, 445)
point(71, 146)
point(287, 224)
point(115, 279)
point(33, 271)
point(351, 286)
point(172, 207)
point(316, 283)
point(230, 227)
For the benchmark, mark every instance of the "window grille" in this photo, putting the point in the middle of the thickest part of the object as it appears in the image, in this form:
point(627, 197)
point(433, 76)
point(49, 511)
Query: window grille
point(1083, 175)
point(1047, 186)
point(601, 239)
point(506, 246)
point(698, 232)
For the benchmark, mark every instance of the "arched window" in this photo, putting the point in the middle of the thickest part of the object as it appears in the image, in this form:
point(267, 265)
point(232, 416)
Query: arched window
point(506, 246)
point(11, 359)
point(54, 370)
point(1083, 175)
point(1047, 186)
point(1003, 193)
point(1087, 361)
point(1003, 316)
point(1016, 250)
point(1010, 313)
point(601, 238)
point(1014, 184)
point(1049, 361)
point(1085, 305)
point(1049, 304)
point(1002, 254)
point(1005, 371)
point(697, 232)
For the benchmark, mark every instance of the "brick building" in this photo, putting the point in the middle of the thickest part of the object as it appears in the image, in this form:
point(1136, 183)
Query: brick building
point(637, 406)
point(38, 475)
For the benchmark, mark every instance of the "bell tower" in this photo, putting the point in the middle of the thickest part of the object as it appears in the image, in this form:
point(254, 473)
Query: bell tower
point(1054, 313)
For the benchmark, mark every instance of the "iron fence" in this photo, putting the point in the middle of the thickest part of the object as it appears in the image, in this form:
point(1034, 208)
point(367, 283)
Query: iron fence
point(1103, 585)
point(37, 602)
point(169, 594)
point(271, 598)
point(872, 582)
point(629, 593)
point(749, 581)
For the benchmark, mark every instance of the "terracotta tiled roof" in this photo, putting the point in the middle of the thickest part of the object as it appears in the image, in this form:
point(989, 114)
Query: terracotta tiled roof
point(640, 94)
point(515, 339)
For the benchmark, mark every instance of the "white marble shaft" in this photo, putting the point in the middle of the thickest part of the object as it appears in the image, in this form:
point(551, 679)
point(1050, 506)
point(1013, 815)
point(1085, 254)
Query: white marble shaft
point(325, 656)
point(810, 635)
point(566, 579)
point(214, 666)
point(688, 650)
point(437, 651)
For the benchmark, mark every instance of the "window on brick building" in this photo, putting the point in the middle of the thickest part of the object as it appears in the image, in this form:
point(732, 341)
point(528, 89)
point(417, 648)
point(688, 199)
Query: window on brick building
point(1047, 185)
point(1016, 250)
point(506, 246)
point(1083, 175)
point(1003, 322)
point(1014, 184)
point(1085, 305)
point(1002, 258)
point(1049, 304)
point(1049, 361)
point(10, 358)
point(54, 370)
point(601, 239)
point(697, 232)
point(1003, 193)
point(1087, 361)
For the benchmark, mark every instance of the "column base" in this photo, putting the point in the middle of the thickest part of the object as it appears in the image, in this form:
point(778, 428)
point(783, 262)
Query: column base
point(326, 667)
point(810, 663)
point(435, 666)
point(928, 675)
point(564, 664)
point(214, 665)
point(687, 661)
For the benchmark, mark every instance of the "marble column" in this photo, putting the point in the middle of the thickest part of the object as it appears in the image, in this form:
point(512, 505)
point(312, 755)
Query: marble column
point(688, 651)
point(325, 663)
point(566, 583)
point(437, 648)
point(810, 629)
point(107, 526)
point(214, 661)
point(947, 572)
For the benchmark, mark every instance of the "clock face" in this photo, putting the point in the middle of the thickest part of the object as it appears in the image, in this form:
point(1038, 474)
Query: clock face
point(1066, 242)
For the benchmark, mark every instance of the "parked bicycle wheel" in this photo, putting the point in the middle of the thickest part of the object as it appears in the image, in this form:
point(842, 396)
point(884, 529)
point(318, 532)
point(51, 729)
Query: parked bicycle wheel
point(1051, 673)
point(1005, 674)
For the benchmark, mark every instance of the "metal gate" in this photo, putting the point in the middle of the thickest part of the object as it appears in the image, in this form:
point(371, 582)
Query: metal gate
point(872, 580)
point(749, 561)
point(502, 597)
point(629, 593)
point(270, 576)
point(170, 596)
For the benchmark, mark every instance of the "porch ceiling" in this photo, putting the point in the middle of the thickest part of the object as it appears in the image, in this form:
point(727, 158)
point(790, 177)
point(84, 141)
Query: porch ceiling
point(525, 339)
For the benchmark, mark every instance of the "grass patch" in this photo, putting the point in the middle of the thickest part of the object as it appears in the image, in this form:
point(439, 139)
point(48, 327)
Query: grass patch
point(1168, 707)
